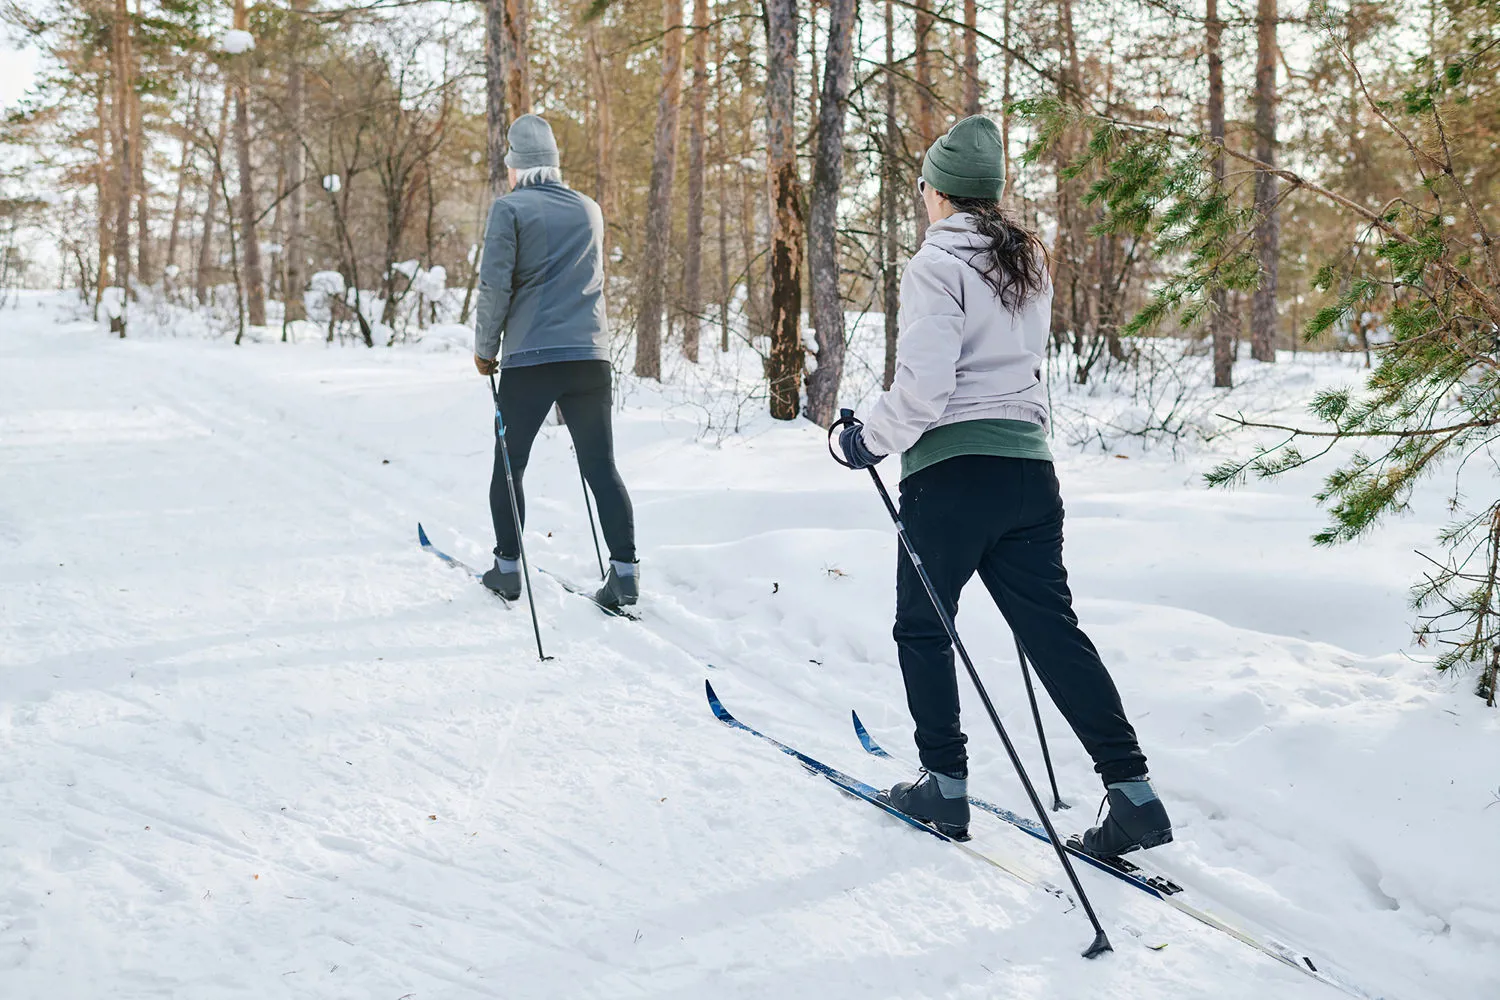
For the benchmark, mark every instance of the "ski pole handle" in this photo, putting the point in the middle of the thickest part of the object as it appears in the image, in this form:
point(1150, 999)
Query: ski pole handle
point(846, 419)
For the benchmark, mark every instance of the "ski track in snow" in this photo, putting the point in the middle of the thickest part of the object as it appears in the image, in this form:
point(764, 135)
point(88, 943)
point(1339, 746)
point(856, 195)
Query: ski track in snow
point(259, 744)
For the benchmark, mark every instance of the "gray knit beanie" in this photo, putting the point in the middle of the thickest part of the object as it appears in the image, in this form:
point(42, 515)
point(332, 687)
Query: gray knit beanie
point(968, 162)
point(531, 144)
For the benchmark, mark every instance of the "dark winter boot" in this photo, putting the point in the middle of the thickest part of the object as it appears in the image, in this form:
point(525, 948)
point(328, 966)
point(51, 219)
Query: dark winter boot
point(622, 586)
point(504, 578)
point(939, 799)
point(1136, 820)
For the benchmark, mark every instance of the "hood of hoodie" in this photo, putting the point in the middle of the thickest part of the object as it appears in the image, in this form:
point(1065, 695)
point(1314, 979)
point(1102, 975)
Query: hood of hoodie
point(957, 236)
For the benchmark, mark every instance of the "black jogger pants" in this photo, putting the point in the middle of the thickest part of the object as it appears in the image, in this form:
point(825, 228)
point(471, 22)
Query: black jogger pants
point(581, 389)
point(1002, 518)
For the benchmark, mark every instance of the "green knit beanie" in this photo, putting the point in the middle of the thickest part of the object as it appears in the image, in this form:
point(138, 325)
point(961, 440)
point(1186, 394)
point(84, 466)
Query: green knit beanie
point(968, 162)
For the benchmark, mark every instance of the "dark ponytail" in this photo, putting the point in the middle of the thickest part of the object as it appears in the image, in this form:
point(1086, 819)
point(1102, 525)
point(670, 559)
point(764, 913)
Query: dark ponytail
point(1017, 261)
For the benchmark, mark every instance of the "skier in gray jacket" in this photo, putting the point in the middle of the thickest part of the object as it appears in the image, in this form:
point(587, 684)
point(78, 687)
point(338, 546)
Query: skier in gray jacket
point(968, 413)
point(542, 324)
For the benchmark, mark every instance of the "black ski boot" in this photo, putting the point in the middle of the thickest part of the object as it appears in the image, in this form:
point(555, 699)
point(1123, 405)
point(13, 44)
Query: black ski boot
point(620, 589)
point(1137, 820)
point(502, 580)
point(923, 799)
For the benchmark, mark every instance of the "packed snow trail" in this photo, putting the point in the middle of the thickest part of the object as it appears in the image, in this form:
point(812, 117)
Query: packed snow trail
point(258, 744)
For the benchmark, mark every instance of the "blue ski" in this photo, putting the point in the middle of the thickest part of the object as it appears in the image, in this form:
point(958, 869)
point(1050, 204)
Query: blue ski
point(870, 794)
point(588, 595)
point(427, 546)
point(1151, 883)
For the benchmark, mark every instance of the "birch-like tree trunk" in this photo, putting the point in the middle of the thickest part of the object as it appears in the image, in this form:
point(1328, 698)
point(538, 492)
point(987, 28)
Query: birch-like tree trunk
point(659, 200)
point(890, 204)
point(1268, 228)
point(124, 86)
point(823, 221)
point(1218, 312)
point(296, 174)
point(254, 281)
point(692, 252)
point(785, 368)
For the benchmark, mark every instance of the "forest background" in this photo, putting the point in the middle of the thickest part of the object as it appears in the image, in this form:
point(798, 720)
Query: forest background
point(1232, 179)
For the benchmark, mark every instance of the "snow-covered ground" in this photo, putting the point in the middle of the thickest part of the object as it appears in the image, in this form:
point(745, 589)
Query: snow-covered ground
point(257, 744)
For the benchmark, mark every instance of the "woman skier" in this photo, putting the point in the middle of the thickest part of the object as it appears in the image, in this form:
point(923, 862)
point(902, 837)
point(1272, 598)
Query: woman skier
point(968, 413)
point(541, 323)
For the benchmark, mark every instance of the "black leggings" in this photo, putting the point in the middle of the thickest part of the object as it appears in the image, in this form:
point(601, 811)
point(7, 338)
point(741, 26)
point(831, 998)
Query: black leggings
point(581, 389)
point(1001, 518)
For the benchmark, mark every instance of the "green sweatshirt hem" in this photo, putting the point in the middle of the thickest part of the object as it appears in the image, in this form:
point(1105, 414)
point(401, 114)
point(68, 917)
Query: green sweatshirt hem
point(1004, 438)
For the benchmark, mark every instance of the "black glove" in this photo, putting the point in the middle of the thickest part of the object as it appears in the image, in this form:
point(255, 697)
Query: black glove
point(852, 443)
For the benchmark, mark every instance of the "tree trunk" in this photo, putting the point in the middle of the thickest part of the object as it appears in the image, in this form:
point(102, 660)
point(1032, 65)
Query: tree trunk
point(1268, 226)
point(692, 265)
point(102, 193)
point(216, 181)
point(604, 142)
point(1005, 94)
point(971, 57)
point(296, 177)
point(144, 271)
point(659, 201)
point(1071, 301)
point(174, 230)
point(889, 212)
point(124, 155)
point(255, 288)
point(1218, 312)
point(822, 230)
point(722, 141)
point(786, 200)
point(754, 311)
point(926, 106)
point(517, 47)
point(496, 114)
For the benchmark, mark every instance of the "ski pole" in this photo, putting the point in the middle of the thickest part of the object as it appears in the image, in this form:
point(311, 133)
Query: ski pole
point(1101, 941)
point(589, 506)
point(1057, 802)
point(515, 513)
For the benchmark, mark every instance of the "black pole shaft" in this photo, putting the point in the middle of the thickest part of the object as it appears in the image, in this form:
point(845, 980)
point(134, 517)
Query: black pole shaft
point(589, 506)
point(1101, 940)
point(515, 514)
point(1036, 714)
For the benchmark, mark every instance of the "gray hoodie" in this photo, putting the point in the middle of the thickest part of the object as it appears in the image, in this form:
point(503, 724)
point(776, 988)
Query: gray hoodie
point(541, 283)
point(960, 354)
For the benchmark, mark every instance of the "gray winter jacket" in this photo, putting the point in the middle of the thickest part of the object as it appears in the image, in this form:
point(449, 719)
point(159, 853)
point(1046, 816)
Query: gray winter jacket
point(541, 283)
point(960, 354)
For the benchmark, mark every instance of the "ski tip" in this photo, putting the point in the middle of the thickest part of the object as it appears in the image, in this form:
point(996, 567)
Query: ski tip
point(865, 739)
point(720, 712)
point(422, 536)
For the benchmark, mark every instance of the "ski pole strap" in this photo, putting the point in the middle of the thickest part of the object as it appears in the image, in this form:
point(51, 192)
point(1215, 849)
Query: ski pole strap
point(846, 419)
point(499, 419)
